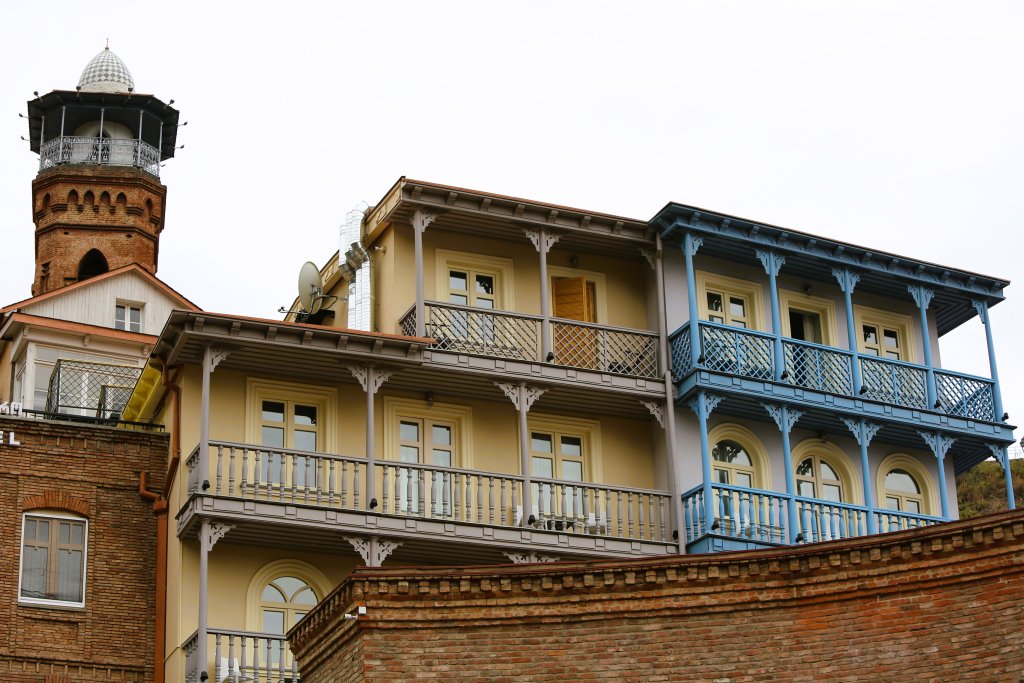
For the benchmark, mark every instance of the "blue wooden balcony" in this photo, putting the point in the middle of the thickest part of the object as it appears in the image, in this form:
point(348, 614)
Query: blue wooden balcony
point(748, 354)
point(746, 518)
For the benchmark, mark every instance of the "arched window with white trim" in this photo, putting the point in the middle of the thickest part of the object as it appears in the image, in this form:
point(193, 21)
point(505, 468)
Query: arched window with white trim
point(905, 485)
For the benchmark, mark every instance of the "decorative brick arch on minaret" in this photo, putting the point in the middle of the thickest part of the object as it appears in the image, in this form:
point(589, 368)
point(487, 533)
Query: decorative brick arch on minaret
point(53, 499)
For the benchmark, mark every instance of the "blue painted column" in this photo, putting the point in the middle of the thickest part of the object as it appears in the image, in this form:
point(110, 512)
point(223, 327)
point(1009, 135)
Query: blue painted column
point(997, 396)
point(863, 432)
point(940, 446)
point(847, 281)
point(786, 418)
point(703, 405)
point(772, 262)
point(923, 297)
point(1003, 457)
point(690, 246)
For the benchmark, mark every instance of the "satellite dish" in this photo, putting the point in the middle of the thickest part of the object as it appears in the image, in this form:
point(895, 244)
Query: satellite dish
point(311, 287)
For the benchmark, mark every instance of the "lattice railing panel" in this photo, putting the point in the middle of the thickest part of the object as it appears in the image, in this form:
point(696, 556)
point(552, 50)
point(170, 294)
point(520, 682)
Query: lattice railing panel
point(965, 396)
point(818, 368)
point(606, 350)
point(679, 350)
point(71, 149)
point(478, 331)
point(94, 389)
point(892, 382)
point(737, 351)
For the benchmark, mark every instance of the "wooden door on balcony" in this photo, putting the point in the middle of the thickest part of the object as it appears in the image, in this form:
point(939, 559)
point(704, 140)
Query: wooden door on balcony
point(573, 298)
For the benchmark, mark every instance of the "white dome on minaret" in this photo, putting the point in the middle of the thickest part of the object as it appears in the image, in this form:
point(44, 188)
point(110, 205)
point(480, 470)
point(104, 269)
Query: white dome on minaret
point(106, 73)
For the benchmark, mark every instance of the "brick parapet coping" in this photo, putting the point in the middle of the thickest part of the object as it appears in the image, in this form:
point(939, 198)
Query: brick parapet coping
point(461, 598)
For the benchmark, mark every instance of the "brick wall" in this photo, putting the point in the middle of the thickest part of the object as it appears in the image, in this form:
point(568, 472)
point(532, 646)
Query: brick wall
point(73, 215)
point(944, 603)
point(91, 471)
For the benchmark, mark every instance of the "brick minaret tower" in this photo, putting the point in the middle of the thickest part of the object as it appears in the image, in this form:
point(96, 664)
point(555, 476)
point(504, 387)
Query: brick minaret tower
point(97, 202)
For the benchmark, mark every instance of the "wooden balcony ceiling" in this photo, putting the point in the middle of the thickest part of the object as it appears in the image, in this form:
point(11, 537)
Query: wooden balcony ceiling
point(813, 258)
point(495, 215)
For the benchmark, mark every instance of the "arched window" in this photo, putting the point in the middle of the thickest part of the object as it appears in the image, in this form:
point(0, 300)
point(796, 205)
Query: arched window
point(279, 595)
point(904, 484)
point(284, 601)
point(92, 264)
point(738, 457)
point(73, 198)
point(823, 472)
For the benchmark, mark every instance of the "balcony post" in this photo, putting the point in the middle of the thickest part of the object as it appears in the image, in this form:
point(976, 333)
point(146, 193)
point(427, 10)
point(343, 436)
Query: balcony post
point(523, 396)
point(703, 405)
point(864, 431)
point(923, 297)
point(543, 241)
point(940, 446)
point(772, 263)
point(211, 358)
point(1000, 453)
point(209, 534)
point(138, 144)
point(420, 220)
point(690, 246)
point(160, 147)
point(60, 145)
point(786, 418)
point(42, 131)
point(997, 397)
point(847, 281)
point(370, 379)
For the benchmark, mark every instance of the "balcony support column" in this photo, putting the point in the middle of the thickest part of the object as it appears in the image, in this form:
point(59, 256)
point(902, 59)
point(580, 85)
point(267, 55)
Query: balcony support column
point(786, 418)
point(997, 397)
point(523, 397)
point(209, 534)
point(923, 297)
point(1000, 453)
point(543, 241)
point(420, 220)
point(703, 405)
point(160, 146)
point(690, 246)
point(138, 144)
point(772, 263)
point(370, 379)
point(212, 357)
point(939, 443)
point(60, 145)
point(864, 431)
point(99, 147)
point(847, 282)
point(42, 131)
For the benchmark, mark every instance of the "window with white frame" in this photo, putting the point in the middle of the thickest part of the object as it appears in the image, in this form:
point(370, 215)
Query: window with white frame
point(128, 317)
point(53, 551)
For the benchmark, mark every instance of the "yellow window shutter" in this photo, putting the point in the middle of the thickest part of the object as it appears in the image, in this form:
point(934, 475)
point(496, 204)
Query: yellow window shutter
point(572, 300)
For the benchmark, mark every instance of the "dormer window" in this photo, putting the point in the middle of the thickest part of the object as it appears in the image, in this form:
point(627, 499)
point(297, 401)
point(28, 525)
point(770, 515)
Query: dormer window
point(128, 317)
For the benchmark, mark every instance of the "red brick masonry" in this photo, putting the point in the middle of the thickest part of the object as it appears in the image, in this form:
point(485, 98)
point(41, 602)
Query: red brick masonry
point(93, 472)
point(945, 603)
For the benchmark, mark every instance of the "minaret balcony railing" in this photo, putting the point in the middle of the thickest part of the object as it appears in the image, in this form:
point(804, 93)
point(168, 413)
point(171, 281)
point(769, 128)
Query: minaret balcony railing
point(105, 151)
point(746, 353)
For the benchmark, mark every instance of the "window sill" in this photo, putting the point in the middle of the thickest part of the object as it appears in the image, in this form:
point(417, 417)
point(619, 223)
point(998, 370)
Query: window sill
point(70, 611)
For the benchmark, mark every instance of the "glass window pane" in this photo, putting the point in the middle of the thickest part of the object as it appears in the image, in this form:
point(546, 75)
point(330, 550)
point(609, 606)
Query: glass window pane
point(305, 441)
point(273, 437)
point(441, 435)
point(901, 480)
point(895, 355)
point(459, 299)
point(805, 468)
point(737, 307)
point(485, 284)
point(542, 467)
point(409, 454)
point(739, 323)
point(119, 317)
point(732, 452)
point(273, 411)
point(289, 585)
point(870, 352)
point(273, 621)
point(65, 533)
point(721, 476)
point(716, 318)
point(271, 594)
point(831, 492)
point(305, 597)
point(485, 303)
point(305, 415)
point(891, 338)
point(715, 302)
point(870, 334)
point(892, 503)
point(409, 431)
point(572, 470)
point(457, 280)
point(77, 533)
point(541, 443)
point(827, 472)
point(743, 479)
point(442, 458)
point(572, 446)
point(806, 489)
point(69, 575)
point(913, 506)
point(33, 571)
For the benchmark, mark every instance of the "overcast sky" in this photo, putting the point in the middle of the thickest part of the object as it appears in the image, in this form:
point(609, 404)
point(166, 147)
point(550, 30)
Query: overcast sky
point(897, 126)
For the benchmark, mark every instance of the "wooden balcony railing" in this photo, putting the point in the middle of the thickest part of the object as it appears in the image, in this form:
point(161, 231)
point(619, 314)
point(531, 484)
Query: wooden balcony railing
point(747, 353)
point(757, 515)
point(517, 336)
point(239, 656)
point(249, 472)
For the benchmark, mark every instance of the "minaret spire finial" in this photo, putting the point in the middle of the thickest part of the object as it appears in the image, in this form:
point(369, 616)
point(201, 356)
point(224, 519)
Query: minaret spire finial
point(108, 44)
